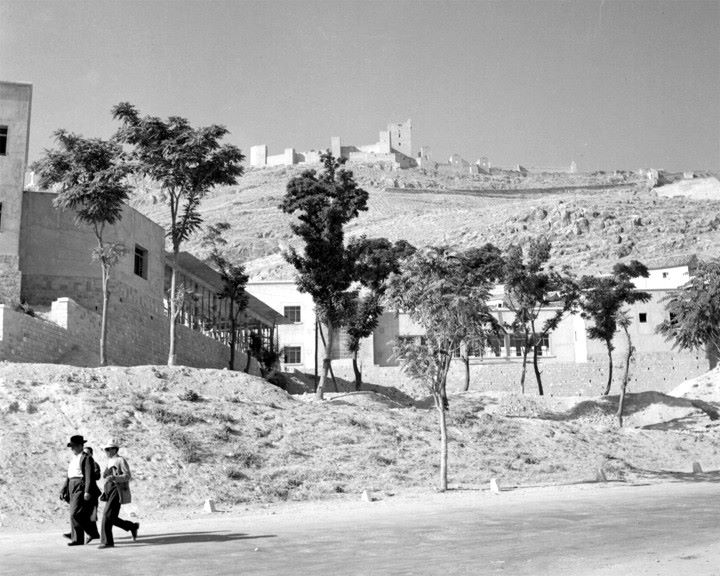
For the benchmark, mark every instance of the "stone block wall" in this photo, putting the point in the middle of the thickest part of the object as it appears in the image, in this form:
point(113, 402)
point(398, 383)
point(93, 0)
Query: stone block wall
point(70, 334)
point(10, 279)
point(658, 371)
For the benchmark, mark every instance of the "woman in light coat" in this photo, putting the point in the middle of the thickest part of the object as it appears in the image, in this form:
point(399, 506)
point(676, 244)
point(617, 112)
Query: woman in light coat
point(116, 492)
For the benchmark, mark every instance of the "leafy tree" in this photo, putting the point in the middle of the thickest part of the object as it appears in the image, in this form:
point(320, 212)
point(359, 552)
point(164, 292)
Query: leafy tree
point(531, 286)
point(324, 203)
point(602, 300)
point(234, 280)
point(487, 258)
point(91, 177)
point(373, 260)
point(187, 163)
point(694, 312)
point(448, 298)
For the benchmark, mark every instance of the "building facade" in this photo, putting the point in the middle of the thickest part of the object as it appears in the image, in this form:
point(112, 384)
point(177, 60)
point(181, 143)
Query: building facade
point(51, 290)
point(571, 362)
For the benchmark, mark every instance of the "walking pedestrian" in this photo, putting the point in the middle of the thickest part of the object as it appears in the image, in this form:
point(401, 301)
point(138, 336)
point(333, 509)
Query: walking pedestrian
point(116, 493)
point(81, 492)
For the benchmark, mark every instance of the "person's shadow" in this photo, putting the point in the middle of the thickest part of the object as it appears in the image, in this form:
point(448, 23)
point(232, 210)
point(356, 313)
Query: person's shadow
point(192, 537)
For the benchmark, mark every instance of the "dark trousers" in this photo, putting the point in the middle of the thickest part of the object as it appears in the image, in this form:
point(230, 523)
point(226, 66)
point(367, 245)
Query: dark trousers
point(80, 512)
point(111, 517)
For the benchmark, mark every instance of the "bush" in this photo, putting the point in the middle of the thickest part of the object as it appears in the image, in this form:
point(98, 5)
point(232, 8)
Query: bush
point(168, 417)
point(236, 474)
point(190, 396)
point(190, 449)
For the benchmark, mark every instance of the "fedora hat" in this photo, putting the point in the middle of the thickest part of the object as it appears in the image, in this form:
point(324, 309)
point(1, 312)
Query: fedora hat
point(76, 440)
point(112, 443)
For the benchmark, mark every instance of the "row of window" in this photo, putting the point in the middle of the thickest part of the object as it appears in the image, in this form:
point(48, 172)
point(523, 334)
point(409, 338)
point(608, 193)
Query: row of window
point(3, 140)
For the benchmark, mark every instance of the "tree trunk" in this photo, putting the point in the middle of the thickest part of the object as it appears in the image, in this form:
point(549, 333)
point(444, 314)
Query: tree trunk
point(626, 377)
point(524, 366)
point(315, 379)
point(233, 337)
point(326, 367)
point(443, 382)
point(172, 358)
point(711, 353)
point(466, 361)
point(103, 321)
point(439, 404)
point(610, 370)
point(536, 368)
point(356, 370)
point(535, 342)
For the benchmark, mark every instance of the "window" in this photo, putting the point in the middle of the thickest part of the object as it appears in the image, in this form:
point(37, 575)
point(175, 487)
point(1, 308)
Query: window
point(3, 140)
point(293, 355)
point(141, 261)
point(642, 317)
point(292, 313)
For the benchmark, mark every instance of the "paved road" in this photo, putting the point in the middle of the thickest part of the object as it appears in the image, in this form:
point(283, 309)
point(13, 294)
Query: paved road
point(670, 529)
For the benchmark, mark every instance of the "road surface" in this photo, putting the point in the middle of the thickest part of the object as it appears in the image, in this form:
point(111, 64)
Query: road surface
point(667, 529)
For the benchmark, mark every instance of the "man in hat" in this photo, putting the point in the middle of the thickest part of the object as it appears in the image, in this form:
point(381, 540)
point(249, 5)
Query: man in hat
point(117, 491)
point(81, 491)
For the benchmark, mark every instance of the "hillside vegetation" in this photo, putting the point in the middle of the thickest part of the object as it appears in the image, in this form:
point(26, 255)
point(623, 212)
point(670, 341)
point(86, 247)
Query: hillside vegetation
point(592, 220)
point(193, 434)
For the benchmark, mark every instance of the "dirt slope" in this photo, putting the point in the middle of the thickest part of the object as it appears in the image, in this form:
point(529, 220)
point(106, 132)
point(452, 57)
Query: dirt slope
point(243, 441)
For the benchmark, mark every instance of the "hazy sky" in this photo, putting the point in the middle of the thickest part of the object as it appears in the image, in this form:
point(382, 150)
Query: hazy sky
point(618, 84)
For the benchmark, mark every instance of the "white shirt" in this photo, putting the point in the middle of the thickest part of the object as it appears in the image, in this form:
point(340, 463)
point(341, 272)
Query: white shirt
point(75, 468)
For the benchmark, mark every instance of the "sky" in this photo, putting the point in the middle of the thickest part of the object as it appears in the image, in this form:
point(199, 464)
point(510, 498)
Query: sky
point(610, 85)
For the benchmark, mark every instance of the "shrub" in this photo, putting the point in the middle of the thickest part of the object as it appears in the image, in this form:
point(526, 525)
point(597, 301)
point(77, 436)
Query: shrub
point(190, 449)
point(236, 474)
point(190, 396)
point(168, 417)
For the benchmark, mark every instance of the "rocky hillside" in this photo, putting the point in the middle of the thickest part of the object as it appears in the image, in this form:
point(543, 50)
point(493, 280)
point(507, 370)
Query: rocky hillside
point(593, 220)
point(194, 434)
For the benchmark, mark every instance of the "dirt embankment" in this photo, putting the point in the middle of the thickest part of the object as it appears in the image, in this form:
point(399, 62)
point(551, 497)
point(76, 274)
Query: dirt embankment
point(193, 434)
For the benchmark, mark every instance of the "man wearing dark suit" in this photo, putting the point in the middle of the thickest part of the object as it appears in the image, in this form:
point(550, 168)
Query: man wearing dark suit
point(82, 492)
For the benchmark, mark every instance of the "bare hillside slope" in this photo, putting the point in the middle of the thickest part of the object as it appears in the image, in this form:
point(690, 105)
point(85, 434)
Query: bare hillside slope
point(593, 220)
point(192, 434)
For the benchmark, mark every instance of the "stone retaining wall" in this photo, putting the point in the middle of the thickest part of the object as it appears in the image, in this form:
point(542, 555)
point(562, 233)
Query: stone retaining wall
point(70, 334)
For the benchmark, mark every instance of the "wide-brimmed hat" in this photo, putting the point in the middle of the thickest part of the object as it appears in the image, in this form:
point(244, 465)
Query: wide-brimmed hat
point(112, 443)
point(76, 440)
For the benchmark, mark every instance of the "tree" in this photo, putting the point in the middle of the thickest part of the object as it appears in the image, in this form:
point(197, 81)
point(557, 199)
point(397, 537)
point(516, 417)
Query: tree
point(602, 299)
point(186, 163)
point(531, 286)
point(373, 261)
point(91, 176)
point(233, 277)
point(624, 323)
point(324, 203)
point(489, 259)
point(448, 298)
point(693, 321)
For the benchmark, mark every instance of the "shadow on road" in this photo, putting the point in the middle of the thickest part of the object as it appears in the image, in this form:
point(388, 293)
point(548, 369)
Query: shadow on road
point(194, 537)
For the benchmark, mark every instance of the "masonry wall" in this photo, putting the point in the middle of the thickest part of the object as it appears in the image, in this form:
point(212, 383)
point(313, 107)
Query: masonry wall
point(69, 334)
point(660, 371)
point(15, 103)
point(56, 259)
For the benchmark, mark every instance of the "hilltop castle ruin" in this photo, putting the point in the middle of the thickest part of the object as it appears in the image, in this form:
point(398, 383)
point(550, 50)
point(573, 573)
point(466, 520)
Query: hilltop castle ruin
point(394, 146)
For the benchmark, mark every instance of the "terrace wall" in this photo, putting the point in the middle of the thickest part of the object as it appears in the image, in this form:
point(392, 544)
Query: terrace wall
point(70, 333)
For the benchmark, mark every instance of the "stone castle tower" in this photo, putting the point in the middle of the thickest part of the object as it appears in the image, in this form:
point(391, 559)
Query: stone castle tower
point(15, 102)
